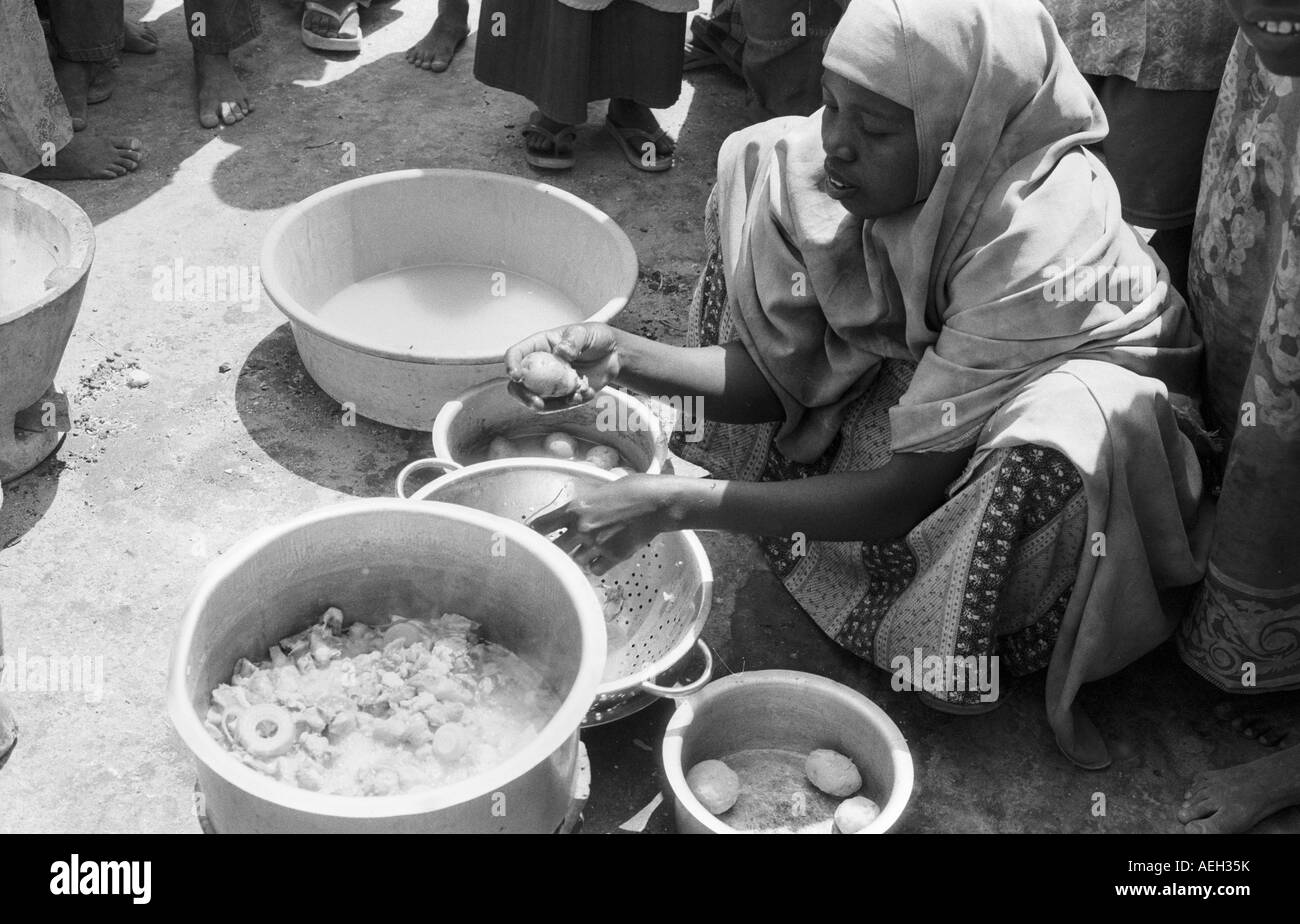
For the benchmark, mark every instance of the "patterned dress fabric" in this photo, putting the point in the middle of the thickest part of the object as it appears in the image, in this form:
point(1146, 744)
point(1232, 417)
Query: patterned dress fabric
point(1244, 632)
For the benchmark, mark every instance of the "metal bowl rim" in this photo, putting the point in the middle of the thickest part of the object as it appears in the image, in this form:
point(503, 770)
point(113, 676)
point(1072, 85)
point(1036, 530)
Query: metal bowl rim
point(448, 413)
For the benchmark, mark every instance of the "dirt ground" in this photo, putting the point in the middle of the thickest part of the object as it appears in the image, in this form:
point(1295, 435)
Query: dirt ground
point(103, 544)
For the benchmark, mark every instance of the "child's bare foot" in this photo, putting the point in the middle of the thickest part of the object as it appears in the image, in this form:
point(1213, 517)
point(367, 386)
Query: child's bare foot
point(1271, 720)
point(221, 95)
point(1234, 800)
point(435, 51)
point(139, 39)
point(90, 157)
point(73, 78)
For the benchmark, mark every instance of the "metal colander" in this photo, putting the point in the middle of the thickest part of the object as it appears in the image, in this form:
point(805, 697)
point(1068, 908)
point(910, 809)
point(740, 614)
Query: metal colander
point(665, 591)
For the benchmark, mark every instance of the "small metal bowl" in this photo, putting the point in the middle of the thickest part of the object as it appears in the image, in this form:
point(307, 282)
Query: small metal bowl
point(465, 425)
point(787, 711)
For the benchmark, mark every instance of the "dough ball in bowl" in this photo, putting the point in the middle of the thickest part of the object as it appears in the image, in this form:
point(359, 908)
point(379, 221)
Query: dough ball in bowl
point(714, 784)
point(561, 445)
point(855, 814)
point(832, 773)
point(502, 448)
point(605, 457)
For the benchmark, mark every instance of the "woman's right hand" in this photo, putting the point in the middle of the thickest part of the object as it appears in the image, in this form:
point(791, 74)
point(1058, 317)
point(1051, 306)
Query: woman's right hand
point(591, 349)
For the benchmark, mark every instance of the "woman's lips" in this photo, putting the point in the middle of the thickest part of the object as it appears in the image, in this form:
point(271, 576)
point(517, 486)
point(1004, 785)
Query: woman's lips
point(837, 188)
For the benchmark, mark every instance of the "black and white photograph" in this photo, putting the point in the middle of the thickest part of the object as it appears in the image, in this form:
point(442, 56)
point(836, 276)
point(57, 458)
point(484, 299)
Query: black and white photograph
point(650, 417)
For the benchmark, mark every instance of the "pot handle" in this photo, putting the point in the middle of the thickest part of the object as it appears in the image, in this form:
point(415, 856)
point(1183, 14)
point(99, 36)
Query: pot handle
point(686, 689)
point(446, 465)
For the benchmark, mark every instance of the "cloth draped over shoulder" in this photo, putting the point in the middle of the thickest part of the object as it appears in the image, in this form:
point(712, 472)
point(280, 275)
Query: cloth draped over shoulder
point(663, 6)
point(1033, 312)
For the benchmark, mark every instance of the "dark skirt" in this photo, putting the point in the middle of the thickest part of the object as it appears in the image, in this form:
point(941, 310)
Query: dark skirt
point(562, 58)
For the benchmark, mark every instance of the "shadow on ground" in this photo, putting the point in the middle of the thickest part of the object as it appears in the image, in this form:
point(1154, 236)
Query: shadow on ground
point(305, 430)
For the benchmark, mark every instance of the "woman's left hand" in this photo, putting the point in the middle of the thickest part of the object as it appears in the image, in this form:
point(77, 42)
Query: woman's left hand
point(605, 525)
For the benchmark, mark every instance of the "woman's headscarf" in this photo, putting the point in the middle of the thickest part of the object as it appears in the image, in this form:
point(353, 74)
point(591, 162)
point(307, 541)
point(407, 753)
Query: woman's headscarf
point(990, 280)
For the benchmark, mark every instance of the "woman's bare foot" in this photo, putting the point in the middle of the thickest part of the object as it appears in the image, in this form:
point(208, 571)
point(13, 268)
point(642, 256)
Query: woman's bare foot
point(221, 94)
point(90, 157)
point(321, 24)
point(1234, 800)
point(1271, 719)
point(139, 39)
point(435, 51)
point(73, 78)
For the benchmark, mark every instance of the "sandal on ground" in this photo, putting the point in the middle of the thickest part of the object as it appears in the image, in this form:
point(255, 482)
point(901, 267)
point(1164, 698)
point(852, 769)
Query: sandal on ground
point(349, 28)
point(942, 705)
point(561, 142)
point(632, 142)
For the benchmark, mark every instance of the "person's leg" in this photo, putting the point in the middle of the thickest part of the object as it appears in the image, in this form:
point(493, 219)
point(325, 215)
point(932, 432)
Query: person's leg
point(637, 57)
point(782, 68)
point(543, 54)
point(87, 36)
point(216, 28)
point(435, 51)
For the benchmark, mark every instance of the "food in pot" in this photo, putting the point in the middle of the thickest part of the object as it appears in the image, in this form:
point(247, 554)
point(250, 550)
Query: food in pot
point(832, 773)
point(558, 444)
point(605, 457)
point(379, 710)
point(548, 376)
point(561, 445)
point(855, 814)
point(714, 784)
point(502, 448)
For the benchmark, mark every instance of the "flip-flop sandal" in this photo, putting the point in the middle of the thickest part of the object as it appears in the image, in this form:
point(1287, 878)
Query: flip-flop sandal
point(559, 141)
point(634, 154)
point(942, 705)
point(698, 57)
point(349, 21)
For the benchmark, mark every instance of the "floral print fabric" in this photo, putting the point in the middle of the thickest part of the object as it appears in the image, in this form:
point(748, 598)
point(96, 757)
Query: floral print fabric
point(1244, 279)
point(33, 119)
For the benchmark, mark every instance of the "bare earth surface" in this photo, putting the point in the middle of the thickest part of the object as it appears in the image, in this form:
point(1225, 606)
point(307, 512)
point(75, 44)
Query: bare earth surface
point(103, 544)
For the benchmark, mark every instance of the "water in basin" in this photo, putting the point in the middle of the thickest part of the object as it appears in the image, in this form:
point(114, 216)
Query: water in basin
point(452, 310)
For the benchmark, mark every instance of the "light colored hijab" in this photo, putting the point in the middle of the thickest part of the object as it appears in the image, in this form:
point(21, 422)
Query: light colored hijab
point(970, 282)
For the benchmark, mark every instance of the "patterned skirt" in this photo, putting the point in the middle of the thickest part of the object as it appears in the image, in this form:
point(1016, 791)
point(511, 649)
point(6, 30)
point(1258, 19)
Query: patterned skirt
point(988, 574)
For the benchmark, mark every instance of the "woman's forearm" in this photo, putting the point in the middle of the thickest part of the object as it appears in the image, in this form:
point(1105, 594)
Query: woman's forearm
point(724, 378)
point(871, 506)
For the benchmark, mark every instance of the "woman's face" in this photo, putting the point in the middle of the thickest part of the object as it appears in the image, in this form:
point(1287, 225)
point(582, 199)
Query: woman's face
point(1273, 27)
point(872, 159)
